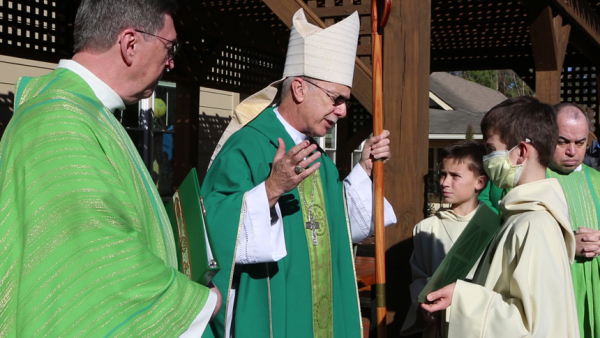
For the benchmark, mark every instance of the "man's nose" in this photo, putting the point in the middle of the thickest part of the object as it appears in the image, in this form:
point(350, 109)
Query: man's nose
point(570, 149)
point(341, 111)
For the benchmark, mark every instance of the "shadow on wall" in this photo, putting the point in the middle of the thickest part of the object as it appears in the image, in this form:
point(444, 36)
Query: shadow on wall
point(6, 110)
point(211, 129)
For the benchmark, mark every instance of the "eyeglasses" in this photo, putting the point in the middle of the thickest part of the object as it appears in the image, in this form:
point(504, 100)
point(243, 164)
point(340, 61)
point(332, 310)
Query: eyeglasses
point(336, 99)
point(172, 50)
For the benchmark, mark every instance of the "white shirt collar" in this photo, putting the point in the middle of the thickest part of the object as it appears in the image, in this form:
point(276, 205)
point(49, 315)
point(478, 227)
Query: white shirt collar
point(109, 98)
point(297, 136)
point(579, 168)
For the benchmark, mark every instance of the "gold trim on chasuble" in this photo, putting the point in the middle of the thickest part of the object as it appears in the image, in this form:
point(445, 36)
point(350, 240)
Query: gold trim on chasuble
point(320, 256)
point(183, 237)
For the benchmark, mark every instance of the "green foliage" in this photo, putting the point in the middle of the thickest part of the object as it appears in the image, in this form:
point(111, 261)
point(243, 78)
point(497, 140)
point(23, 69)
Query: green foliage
point(505, 81)
point(470, 133)
point(488, 78)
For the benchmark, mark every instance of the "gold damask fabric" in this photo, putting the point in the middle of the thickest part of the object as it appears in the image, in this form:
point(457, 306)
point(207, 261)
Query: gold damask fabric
point(319, 251)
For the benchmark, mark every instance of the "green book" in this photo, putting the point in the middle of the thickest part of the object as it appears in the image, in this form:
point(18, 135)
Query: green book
point(465, 252)
point(188, 219)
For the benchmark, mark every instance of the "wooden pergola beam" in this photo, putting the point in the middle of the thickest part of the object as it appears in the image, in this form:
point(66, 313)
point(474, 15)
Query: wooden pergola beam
point(581, 16)
point(363, 77)
point(585, 47)
point(549, 40)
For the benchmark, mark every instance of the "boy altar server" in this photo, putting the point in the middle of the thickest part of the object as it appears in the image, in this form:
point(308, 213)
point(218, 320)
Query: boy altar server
point(522, 286)
point(462, 178)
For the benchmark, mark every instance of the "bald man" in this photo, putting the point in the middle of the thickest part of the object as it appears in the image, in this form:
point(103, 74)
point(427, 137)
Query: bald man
point(581, 185)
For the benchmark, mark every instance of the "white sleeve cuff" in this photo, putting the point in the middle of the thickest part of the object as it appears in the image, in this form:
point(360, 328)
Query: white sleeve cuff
point(359, 196)
point(196, 329)
point(259, 224)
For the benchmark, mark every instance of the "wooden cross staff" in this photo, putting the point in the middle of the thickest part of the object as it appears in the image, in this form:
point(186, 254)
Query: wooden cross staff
point(376, 30)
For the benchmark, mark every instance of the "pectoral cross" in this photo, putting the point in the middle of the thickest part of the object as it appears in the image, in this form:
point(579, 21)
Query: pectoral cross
point(312, 225)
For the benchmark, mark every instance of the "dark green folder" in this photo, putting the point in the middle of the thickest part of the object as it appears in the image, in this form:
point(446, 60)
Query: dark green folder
point(465, 252)
point(188, 219)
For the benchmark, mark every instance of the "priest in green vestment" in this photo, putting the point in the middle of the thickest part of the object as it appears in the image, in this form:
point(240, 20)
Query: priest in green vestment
point(86, 245)
point(581, 185)
point(283, 219)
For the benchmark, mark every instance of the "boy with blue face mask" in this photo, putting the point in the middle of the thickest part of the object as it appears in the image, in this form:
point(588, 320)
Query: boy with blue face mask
point(523, 286)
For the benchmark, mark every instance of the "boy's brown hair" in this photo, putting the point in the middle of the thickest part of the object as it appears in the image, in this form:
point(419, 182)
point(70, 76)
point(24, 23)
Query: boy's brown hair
point(469, 152)
point(516, 119)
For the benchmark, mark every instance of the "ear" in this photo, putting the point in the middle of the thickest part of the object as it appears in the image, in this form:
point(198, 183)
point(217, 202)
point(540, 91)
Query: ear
point(299, 89)
point(128, 40)
point(481, 183)
point(523, 152)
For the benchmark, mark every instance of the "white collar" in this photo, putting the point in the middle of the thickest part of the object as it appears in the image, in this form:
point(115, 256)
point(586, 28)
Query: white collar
point(579, 168)
point(297, 136)
point(109, 98)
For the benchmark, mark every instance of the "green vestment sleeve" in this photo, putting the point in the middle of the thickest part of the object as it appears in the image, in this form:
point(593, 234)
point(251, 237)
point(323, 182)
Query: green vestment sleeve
point(87, 248)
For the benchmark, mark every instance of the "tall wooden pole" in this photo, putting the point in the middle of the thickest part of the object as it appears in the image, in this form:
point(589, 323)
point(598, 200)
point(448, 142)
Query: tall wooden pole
point(376, 26)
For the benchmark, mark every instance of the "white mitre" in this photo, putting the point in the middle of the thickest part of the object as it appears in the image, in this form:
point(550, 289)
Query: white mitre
point(325, 54)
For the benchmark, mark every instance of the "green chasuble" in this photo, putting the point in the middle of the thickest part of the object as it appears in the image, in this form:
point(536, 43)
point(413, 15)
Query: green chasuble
point(582, 192)
point(283, 298)
point(86, 246)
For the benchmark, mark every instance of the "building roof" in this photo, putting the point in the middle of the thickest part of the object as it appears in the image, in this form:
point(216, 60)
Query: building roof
point(449, 124)
point(463, 103)
point(461, 94)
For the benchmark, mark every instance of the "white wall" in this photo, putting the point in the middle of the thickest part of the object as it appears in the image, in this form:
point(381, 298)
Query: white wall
point(215, 102)
point(11, 69)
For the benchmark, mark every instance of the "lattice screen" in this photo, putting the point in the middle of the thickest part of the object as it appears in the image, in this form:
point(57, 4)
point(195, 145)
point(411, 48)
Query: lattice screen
point(476, 34)
point(359, 117)
point(242, 68)
point(579, 86)
point(37, 25)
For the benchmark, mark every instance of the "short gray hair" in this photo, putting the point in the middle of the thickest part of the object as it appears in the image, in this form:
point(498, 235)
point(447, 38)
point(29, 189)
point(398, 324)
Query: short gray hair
point(99, 22)
point(286, 86)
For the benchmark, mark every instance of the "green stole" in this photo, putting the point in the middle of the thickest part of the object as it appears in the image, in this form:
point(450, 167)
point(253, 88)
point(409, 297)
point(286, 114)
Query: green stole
point(319, 250)
point(581, 191)
point(278, 299)
point(85, 242)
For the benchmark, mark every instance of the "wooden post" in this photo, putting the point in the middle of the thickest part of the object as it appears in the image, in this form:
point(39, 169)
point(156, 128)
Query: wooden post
point(547, 86)
point(406, 50)
point(186, 130)
point(549, 39)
